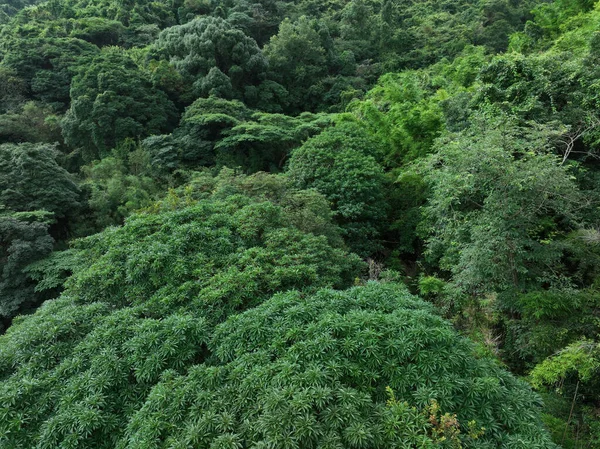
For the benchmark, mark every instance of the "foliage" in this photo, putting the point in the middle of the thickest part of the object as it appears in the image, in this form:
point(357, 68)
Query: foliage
point(24, 239)
point(46, 64)
point(192, 144)
point(214, 131)
point(534, 336)
point(37, 197)
point(298, 60)
point(50, 273)
point(442, 430)
point(455, 141)
point(573, 375)
point(118, 186)
point(580, 358)
point(31, 179)
point(217, 58)
point(158, 285)
point(498, 196)
point(266, 140)
point(113, 100)
point(30, 122)
point(341, 163)
point(12, 89)
point(404, 113)
point(312, 371)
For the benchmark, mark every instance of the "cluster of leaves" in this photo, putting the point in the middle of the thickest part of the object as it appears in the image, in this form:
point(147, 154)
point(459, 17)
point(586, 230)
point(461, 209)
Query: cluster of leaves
point(215, 131)
point(150, 294)
point(37, 198)
point(299, 370)
point(342, 164)
point(113, 101)
point(495, 159)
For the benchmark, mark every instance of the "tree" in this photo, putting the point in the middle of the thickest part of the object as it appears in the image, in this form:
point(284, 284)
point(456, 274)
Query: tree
point(98, 31)
point(572, 374)
point(405, 112)
point(32, 122)
point(212, 54)
point(499, 199)
point(341, 163)
point(46, 64)
point(192, 144)
point(297, 60)
point(312, 371)
point(266, 140)
point(37, 197)
point(119, 185)
point(12, 89)
point(24, 239)
point(146, 302)
point(112, 100)
point(31, 179)
point(542, 88)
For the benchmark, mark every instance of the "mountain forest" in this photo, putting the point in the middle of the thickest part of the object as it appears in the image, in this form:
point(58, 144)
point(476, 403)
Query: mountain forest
point(308, 224)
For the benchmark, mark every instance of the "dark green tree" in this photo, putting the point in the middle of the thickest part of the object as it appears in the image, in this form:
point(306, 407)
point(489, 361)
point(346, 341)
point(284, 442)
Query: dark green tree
point(30, 122)
point(119, 185)
point(266, 140)
point(112, 100)
point(24, 239)
point(201, 127)
point(46, 64)
point(31, 179)
point(298, 61)
point(342, 164)
point(12, 89)
point(213, 55)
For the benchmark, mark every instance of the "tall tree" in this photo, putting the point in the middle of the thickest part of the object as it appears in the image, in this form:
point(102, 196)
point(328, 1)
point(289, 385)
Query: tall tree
point(111, 100)
point(31, 179)
point(499, 200)
point(216, 57)
point(24, 239)
point(298, 61)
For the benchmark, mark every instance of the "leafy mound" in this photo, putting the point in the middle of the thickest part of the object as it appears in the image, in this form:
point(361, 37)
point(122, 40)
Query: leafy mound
point(312, 372)
point(146, 298)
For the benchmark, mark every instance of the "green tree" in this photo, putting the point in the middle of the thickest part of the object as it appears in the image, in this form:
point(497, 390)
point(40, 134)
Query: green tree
point(119, 185)
point(212, 54)
point(342, 164)
point(98, 31)
point(32, 122)
point(265, 141)
point(147, 299)
point(499, 201)
point(112, 100)
point(312, 371)
point(405, 112)
point(12, 89)
point(31, 179)
point(46, 64)
point(24, 239)
point(37, 197)
point(297, 60)
point(192, 144)
point(572, 375)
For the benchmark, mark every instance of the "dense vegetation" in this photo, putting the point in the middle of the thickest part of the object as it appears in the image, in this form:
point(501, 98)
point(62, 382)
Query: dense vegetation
point(309, 224)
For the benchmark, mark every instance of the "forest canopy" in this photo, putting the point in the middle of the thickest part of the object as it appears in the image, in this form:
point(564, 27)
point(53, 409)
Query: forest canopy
point(276, 224)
